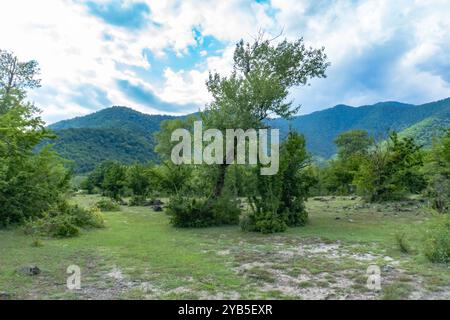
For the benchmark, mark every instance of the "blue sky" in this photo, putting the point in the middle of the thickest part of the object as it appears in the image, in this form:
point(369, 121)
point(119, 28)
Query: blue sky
point(154, 56)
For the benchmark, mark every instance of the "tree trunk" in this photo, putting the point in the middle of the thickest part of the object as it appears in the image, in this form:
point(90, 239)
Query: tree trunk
point(220, 182)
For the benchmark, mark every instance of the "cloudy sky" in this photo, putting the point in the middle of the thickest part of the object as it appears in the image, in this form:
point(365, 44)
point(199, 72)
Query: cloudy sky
point(154, 55)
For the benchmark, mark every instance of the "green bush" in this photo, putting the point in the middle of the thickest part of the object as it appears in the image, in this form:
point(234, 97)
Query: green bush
point(403, 243)
point(64, 221)
point(264, 222)
point(201, 213)
point(108, 205)
point(137, 201)
point(60, 226)
point(437, 241)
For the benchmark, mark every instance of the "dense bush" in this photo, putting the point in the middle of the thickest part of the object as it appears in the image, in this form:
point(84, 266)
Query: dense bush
point(64, 221)
point(30, 183)
point(391, 170)
point(278, 201)
point(438, 172)
point(264, 222)
point(437, 241)
point(108, 205)
point(200, 213)
point(137, 201)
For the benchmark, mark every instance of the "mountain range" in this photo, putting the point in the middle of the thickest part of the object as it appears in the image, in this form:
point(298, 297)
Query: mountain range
point(123, 134)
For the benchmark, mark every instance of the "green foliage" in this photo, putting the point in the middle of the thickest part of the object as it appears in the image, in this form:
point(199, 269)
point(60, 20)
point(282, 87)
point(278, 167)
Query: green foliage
point(438, 172)
point(126, 136)
point(110, 177)
point(437, 240)
point(173, 179)
point(391, 170)
point(108, 205)
point(116, 133)
point(30, 182)
point(264, 221)
point(64, 221)
point(139, 179)
point(263, 73)
point(200, 213)
point(403, 243)
point(338, 177)
point(353, 143)
point(278, 201)
point(87, 147)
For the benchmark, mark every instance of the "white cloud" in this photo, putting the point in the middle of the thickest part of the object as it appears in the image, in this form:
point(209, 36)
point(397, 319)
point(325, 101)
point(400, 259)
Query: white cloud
point(76, 49)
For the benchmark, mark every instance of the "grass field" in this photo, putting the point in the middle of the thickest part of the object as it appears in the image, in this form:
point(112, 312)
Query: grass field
point(140, 256)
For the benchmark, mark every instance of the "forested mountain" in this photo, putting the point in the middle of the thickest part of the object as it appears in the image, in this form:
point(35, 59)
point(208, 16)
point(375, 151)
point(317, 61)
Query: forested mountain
point(116, 133)
point(320, 128)
point(126, 135)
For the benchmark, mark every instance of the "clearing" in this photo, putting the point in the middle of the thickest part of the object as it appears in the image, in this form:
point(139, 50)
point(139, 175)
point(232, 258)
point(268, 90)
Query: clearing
point(140, 256)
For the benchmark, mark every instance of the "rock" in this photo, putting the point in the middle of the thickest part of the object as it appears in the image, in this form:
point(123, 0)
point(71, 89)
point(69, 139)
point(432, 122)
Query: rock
point(30, 270)
point(337, 218)
point(5, 296)
point(157, 208)
point(387, 268)
point(353, 198)
point(350, 220)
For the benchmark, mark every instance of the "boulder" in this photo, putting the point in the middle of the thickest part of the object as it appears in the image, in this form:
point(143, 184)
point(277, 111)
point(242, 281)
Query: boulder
point(157, 208)
point(29, 270)
point(5, 296)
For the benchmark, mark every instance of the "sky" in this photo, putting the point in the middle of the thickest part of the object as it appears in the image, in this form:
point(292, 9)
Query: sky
point(154, 55)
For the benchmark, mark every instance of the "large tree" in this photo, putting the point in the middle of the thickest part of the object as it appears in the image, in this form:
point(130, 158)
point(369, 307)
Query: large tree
point(30, 183)
point(258, 87)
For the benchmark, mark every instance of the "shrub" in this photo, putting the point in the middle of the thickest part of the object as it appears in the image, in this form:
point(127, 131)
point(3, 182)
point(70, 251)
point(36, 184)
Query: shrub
point(137, 201)
point(59, 226)
point(64, 221)
point(403, 243)
point(437, 241)
point(200, 213)
point(264, 222)
point(108, 205)
point(278, 200)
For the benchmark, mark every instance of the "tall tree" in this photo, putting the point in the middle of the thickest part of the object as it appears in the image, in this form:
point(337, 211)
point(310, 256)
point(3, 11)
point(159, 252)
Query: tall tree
point(353, 147)
point(30, 183)
point(15, 78)
point(438, 173)
point(257, 88)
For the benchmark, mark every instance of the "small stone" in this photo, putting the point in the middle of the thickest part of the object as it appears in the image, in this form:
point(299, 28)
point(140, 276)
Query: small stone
point(5, 295)
point(30, 270)
point(387, 268)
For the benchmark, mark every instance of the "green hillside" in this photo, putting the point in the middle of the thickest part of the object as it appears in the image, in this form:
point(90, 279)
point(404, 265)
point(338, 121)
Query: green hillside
point(123, 134)
point(116, 133)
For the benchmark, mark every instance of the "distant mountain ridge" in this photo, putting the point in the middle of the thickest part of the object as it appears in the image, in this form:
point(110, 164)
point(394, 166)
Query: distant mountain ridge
point(123, 134)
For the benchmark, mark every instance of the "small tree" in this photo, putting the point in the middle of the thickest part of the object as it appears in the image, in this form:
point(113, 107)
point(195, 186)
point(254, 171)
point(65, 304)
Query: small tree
point(438, 173)
point(139, 181)
point(353, 147)
point(114, 180)
point(391, 170)
point(278, 202)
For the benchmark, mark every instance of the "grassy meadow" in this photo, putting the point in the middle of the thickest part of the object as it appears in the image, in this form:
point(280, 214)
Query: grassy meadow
point(139, 255)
